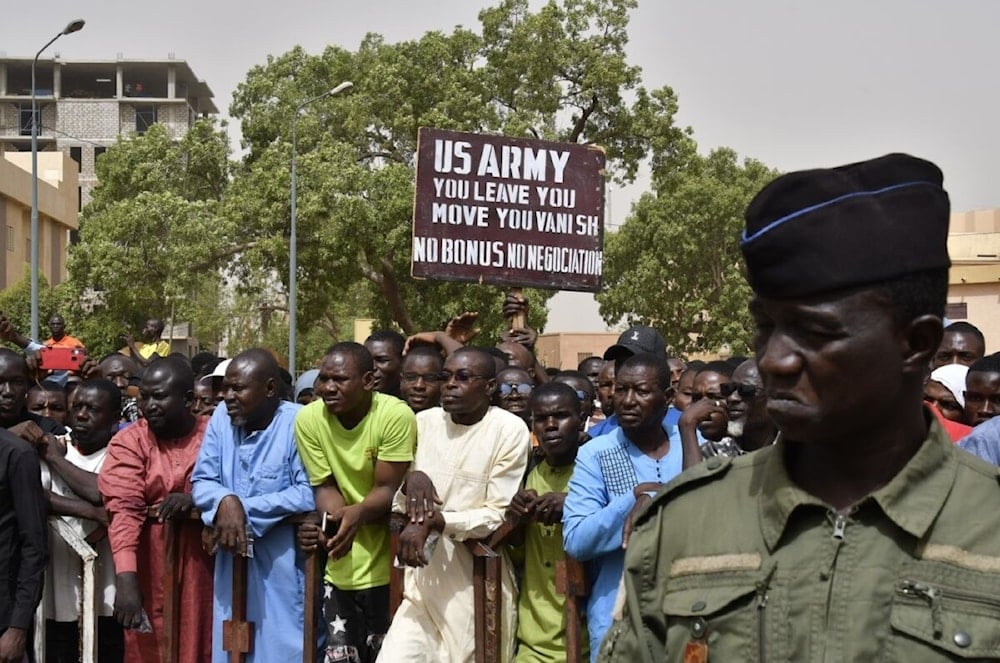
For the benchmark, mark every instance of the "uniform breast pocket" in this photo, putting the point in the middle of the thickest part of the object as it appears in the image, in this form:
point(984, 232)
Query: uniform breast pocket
point(941, 611)
point(269, 479)
point(721, 617)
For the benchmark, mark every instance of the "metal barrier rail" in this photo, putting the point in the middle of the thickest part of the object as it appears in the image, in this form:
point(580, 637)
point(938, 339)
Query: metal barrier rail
point(88, 630)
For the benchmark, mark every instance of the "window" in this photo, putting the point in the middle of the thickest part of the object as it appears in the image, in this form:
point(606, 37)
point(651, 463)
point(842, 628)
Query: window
point(76, 154)
point(98, 151)
point(958, 311)
point(25, 119)
point(145, 117)
point(10, 238)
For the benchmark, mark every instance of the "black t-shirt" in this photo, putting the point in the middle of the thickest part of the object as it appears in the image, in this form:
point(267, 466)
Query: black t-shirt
point(23, 533)
point(47, 425)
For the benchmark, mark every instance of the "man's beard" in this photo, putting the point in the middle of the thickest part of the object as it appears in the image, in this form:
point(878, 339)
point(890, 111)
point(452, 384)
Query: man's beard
point(735, 428)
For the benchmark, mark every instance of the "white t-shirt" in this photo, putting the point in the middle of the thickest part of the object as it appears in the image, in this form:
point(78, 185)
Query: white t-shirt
point(64, 578)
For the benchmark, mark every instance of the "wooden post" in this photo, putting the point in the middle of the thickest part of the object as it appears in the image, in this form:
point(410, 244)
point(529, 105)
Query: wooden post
point(171, 593)
point(237, 633)
point(519, 321)
point(571, 582)
point(396, 524)
point(314, 583)
point(487, 591)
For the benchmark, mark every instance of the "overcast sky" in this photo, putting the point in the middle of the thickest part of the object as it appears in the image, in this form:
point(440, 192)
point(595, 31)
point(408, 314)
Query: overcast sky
point(794, 83)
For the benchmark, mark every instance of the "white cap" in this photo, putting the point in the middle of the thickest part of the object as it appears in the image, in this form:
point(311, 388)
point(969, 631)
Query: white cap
point(220, 370)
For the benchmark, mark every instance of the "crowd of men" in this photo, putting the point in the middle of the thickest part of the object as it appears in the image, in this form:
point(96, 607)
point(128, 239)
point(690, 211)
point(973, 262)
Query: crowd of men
point(809, 503)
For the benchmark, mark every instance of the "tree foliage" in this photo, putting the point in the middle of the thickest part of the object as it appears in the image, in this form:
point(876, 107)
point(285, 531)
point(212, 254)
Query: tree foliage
point(356, 152)
point(675, 263)
point(152, 241)
point(173, 223)
point(15, 303)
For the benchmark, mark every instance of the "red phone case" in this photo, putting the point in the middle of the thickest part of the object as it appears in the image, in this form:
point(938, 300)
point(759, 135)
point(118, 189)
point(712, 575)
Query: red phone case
point(60, 359)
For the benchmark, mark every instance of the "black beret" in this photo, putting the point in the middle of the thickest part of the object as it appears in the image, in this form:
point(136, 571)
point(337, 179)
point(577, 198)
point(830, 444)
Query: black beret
point(818, 231)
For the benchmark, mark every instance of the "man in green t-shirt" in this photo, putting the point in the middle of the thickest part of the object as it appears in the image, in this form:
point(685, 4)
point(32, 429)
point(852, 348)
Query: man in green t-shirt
point(356, 445)
point(557, 422)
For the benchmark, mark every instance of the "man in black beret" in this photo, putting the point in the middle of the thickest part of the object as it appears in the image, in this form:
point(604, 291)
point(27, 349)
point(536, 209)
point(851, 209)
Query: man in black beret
point(862, 534)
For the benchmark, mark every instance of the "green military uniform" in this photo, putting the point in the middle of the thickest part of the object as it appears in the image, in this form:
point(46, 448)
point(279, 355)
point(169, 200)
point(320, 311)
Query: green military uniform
point(734, 562)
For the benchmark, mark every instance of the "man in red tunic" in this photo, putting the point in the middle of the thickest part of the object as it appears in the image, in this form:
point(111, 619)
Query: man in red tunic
point(149, 464)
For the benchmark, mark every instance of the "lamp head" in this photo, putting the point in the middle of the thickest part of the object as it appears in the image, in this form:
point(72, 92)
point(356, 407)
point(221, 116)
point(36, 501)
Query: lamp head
point(346, 85)
point(74, 26)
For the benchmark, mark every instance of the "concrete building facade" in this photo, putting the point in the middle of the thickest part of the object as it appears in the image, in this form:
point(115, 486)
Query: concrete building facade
point(974, 280)
point(58, 188)
point(84, 105)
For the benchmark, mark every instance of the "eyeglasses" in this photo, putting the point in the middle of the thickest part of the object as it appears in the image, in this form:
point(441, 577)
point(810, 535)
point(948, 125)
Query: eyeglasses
point(975, 398)
point(413, 378)
point(746, 391)
point(461, 375)
point(522, 388)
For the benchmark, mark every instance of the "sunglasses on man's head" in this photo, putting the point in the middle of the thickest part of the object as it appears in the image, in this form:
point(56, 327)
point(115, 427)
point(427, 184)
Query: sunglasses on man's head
point(522, 388)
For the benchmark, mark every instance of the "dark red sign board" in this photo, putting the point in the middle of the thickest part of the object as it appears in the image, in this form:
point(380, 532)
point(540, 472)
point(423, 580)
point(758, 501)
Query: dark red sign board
point(508, 211)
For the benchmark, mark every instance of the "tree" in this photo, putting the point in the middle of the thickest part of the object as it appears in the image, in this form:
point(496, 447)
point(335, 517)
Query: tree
point(675, 263)
point(152, 240)
point(15, 303)
point(356, 152)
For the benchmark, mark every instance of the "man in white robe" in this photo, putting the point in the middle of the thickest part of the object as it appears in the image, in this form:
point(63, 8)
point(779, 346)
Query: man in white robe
point(469, 463)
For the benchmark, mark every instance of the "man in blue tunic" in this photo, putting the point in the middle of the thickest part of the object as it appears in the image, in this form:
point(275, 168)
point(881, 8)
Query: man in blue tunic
point(247, 479)
point(612, 473)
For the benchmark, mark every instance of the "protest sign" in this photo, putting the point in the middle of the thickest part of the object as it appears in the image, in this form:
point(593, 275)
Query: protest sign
point(508, 211)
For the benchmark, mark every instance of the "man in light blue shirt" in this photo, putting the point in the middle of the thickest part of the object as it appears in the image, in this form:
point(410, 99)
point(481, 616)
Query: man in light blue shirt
point(984, 441)
point(247, 480)
point(610, 474)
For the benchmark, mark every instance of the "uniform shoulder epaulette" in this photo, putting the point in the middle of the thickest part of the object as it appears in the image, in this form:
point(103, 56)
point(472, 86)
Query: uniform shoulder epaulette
point(708, 470)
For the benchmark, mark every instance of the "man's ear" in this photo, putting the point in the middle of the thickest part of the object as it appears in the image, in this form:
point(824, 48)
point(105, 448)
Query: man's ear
point(368, 381)
point(920, 341)
point(189, 398)
point(491, 386)
point(272, 387)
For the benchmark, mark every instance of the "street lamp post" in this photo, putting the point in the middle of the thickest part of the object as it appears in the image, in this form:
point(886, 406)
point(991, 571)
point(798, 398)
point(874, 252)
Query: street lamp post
point(293, 265)
point(72, 26)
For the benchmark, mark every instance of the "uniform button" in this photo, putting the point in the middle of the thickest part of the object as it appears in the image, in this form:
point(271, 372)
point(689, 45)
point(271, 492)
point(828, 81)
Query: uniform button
point(548, 564)
point(713, 463)
point(962, 639)
point(451, 536)
point(698, 606)
point(698, 629)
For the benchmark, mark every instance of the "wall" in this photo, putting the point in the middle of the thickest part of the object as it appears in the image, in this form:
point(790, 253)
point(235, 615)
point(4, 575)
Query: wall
point(565, 350)
point(57, 213)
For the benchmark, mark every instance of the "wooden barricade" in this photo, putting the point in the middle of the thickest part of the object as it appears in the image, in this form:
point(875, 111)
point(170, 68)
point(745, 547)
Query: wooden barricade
point(571, 582)
point(487, 585)
point(171, 587)
point(237, 632)
point(488, 590)
point(315, 563)
point(397, 522)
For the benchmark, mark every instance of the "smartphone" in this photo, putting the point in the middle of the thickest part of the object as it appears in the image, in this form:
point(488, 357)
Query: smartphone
point(330, 526)
point(60, 359)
